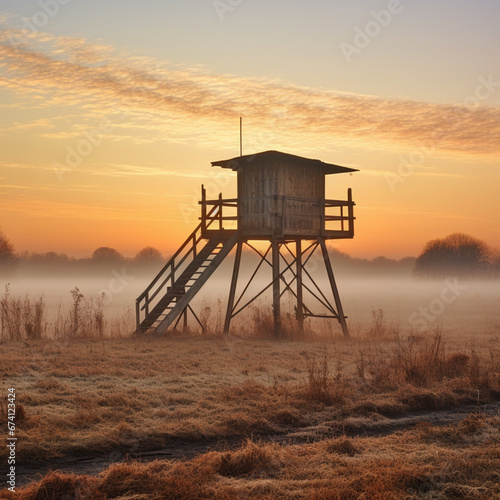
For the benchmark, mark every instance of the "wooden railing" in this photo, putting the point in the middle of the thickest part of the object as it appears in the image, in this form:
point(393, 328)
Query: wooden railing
point(213, 216)
point(345, 217)
point(171, 270)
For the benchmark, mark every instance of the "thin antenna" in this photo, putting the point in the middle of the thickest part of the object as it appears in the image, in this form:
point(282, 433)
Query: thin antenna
point(241, 136)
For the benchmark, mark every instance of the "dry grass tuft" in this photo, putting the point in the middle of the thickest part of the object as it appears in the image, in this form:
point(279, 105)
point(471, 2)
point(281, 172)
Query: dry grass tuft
point(321, 386)
point(252, 460)
point(379, 329)
point(167, 480)
point(20, 414)
point(343, 446)
point(425, 363)
point(57, 485)
point(456, 365)
point(475, 427)
point(22, 318)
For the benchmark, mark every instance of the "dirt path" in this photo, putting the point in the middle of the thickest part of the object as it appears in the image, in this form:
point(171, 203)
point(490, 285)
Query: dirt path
point(93, 465)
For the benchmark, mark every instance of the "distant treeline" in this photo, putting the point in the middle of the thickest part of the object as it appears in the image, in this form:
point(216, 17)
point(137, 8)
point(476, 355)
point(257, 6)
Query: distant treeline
point(344, 264)
point(150, 260)
point(32, 264)
point(458, 255)
point(29, 264)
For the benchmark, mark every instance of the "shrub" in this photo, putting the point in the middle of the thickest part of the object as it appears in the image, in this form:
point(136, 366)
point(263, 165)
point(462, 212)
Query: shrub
point(22, 318)
point(424, 363)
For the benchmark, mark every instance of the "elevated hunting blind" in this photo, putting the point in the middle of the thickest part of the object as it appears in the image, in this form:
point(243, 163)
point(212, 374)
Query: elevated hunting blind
point(281, 199)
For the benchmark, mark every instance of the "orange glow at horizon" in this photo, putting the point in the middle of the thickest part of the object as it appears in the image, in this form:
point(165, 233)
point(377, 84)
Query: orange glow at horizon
point(118, 150)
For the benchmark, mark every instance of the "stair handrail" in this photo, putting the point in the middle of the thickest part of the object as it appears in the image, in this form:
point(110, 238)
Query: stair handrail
point(193, 238)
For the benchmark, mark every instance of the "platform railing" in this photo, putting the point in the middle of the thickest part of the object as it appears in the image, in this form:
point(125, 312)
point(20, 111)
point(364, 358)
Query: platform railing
point(214, 213)
point(212, 218)
point(345, 215)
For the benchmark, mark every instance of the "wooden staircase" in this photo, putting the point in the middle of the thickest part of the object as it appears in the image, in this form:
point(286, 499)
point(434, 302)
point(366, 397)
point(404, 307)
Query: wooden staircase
point(181, 278)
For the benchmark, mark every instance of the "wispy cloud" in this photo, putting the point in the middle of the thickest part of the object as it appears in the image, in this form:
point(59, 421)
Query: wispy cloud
point(41, 123)
point(120, 170)
point(23, 187)
point(111, 170)
point(15, 165)
point(185, 104)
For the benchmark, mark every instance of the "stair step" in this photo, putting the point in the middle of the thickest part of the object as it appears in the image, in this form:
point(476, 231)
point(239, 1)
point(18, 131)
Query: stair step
point(174, 297)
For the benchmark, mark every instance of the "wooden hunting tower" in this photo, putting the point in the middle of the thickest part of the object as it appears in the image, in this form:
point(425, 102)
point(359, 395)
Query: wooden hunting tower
point(281, 199)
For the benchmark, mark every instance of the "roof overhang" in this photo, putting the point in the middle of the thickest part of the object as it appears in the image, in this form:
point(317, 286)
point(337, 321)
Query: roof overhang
point(270, 156)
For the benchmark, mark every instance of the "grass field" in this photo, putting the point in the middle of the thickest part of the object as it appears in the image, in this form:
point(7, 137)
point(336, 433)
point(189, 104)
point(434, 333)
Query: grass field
point(388, 413)
point(324, 403)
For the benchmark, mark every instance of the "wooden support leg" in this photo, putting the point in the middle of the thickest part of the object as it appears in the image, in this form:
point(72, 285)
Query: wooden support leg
point(300, 303)
point(232, 291)
point(335, 291)
point(138, 330)
point(276, 287)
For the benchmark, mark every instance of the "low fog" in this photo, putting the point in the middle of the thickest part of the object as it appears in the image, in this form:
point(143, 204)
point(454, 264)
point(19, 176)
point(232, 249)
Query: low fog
point(403, 302)
point(440, 289)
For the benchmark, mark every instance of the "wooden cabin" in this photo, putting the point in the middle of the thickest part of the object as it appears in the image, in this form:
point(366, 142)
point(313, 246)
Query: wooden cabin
point(283, 195)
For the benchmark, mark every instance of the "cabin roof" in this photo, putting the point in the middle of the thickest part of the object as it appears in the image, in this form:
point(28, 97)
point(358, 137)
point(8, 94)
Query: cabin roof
point(242, 161)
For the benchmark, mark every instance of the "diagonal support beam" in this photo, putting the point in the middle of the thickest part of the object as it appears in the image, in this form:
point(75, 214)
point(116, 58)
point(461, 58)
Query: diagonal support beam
point(232, 291)
point(335, 291)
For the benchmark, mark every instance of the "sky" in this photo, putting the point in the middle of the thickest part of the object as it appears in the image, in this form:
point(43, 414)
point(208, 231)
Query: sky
point(111, 112)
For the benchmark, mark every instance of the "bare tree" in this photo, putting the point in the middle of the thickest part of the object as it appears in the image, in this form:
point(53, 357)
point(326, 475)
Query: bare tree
point(8, 259)
point(495, 262)
point(107, 254)
point(148, 255)
point(455, 255)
